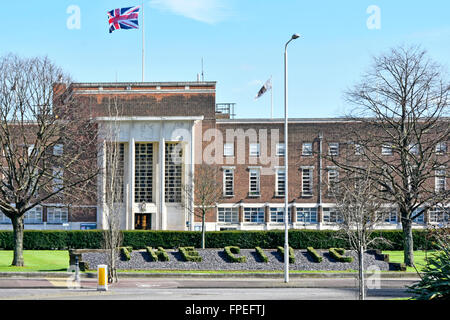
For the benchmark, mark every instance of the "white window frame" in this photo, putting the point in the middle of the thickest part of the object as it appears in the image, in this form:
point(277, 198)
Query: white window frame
point(386, 150)
point(254, 174)
point(57, 215)
point(439, 215)
point(440, 184)
point(281, 150)
point(277, 176)
point(307, 149)
point(332, 215)
point(228, 215)
point(309, 191)
point(33, 216)
point(441, 148)
point(359, 149)
point(278, 212)
point(254, 214)
point(333, 148)
point(307, 215)
point(58, 179)
point(333, 180)
point(252, 151)
point(58, 149)
point(228, 174)
point(228, 149)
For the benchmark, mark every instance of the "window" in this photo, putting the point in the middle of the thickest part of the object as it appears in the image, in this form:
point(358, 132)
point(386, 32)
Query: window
point(57, 215)
point(255, 215)
point(386, 150)
point(333, 148)
point(277, 214)
point(307, 149)
point(390, 216)
point(413, 148)
point(440, 180)
point(115, 171)
point(173, 172)
point(439, 215)
point(254, 177)
point(441, 148)
point(254, 150)
point(58, 149)
point(280, 182)
point(228, 182)
point(307, 183)
point(4, 218)
point(332, 215)
point(307, 215)
point(358, 149)
point(333, 179)
point(58, 183)
point(228, 149)
point(143, 172)
point(420, 218)
point(33, 216)
point(280, 150)
point(229, 215)
point(30, 149)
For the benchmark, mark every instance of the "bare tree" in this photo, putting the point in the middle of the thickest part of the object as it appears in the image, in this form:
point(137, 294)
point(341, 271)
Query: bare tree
point(47, 145)
point(360, 212)
point(401, 132)
point(113, 190)
point(202, 193)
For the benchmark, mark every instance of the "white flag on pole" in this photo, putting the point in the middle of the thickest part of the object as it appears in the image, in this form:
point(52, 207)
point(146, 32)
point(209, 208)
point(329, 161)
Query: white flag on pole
point(266, 87)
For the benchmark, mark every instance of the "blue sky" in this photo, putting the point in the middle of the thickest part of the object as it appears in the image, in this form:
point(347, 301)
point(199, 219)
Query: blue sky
point(241, 43)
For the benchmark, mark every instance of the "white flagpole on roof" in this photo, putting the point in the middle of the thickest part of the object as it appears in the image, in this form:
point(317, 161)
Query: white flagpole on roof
point(271, 97)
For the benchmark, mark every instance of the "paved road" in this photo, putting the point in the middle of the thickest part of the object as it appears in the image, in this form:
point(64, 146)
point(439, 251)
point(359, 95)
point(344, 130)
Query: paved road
point(198, 289)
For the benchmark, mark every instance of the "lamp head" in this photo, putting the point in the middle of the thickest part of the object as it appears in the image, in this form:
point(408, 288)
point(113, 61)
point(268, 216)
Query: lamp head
point(295, 36)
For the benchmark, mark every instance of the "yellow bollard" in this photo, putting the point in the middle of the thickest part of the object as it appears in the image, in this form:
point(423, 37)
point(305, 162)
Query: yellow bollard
point(102, 274)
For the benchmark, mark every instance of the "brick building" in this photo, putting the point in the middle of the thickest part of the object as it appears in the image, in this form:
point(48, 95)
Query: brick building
point(157, 119)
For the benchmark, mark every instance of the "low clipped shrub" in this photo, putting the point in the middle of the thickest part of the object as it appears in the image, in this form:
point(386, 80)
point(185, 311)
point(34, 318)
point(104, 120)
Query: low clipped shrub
point(230, 252)
point(338, 254)
point(126, 254)
point(190, 254)
point(162, 254)
point(152, 253)
point(261, 254)
point(314, 255)
point(291, 253)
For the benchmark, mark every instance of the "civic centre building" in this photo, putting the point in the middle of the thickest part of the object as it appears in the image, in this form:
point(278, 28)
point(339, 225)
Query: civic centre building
point(167, 130)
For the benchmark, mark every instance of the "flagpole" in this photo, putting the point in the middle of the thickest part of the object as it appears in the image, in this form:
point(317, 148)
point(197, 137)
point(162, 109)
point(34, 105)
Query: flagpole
point(143, 41)
point(271, 97)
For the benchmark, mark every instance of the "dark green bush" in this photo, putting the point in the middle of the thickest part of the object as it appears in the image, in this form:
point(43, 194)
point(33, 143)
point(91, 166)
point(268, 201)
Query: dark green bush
point(313, 253)
point(280, 249)
point(261, 254)
point(230, 252)
point(338, 254)
point(139, 239)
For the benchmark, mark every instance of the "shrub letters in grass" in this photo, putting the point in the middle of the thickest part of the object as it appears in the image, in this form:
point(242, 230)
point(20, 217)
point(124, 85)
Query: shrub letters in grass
point(261, 254)
point(291, 253)
point(152, 253)
point(190, 254)
point(314, 255)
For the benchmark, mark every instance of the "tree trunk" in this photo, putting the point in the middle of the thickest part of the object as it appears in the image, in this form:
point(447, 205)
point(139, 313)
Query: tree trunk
point(17, 223)
point(362, 292)
point(203, 230)
point(408, 245)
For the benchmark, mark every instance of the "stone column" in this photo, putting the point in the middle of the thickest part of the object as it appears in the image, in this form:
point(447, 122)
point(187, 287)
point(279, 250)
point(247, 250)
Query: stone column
point(131, 169)
point(162, 196)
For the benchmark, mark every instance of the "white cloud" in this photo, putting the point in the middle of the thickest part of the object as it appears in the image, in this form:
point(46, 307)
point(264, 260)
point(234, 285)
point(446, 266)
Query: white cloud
point(208, 11)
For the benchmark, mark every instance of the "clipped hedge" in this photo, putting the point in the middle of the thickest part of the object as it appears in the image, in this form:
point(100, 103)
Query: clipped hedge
point(338, 254)
point(189, 254)
point(152, 253)
point(126, 253)
point(162, 254)
point(140, 239)
point(314, 255)
point(230, 252)
point(261, 254)
point(291, 253)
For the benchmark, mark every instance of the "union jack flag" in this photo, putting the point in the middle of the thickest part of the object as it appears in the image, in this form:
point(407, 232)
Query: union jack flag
point(123, 18)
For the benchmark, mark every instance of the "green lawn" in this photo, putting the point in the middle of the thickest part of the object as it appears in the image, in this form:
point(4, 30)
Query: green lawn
point(419, 258)
point(36, 260)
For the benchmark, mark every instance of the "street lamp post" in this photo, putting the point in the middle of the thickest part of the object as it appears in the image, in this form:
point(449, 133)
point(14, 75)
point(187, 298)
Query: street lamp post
point(286, 185)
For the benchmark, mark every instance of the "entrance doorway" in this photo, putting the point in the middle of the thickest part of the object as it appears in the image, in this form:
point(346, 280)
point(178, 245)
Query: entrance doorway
point(143, 221)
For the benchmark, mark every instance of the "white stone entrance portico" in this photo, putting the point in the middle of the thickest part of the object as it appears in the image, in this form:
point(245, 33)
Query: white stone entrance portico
point(152, 178)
